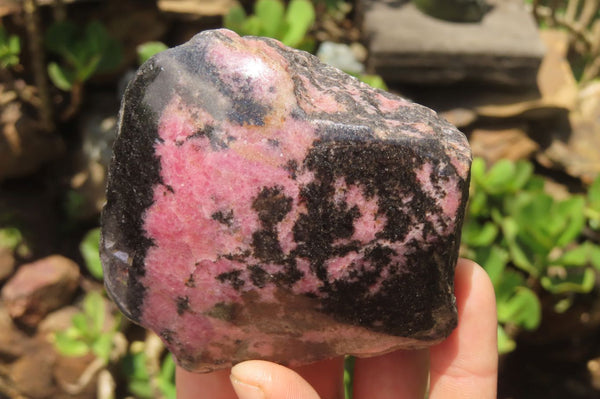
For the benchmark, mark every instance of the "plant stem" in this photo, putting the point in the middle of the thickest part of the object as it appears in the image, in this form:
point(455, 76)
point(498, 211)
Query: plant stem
point(75, 103)
point(153, 348)
point(572, 8)
point(36, 52)
point(554, 19)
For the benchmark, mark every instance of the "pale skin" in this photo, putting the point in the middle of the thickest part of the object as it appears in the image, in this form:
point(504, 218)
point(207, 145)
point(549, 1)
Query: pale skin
point(464, 366)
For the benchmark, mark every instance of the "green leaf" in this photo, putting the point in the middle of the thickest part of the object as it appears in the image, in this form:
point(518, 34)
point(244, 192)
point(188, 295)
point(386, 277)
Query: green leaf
point(522, 309)
point(477, 235)
point(85, 52)
point(505, 343)
point(521, 257)
point(111, 57)
point(375, 81)
point(571, 210)
point(493, 260)
point(10, 49)
point(478, 204)
point(141, 388)
point(80, 322)
point(535, 184)
point(252, 26)
point(577, 256)
point(103, 346)
point(478, 170)
point(96, 37)
point(270, 14)
point(576, 281)
point(149, 49)
point(235, 18)
point(94, 308)
point(563, 305)
point(300, 17)
point(507, 284)
point(499, 176)
point(594, 193)
point(522, 174)
point(61, 77)
point(166, 380)
point(167, 369)
point(89, 249)
point(134, 366)
point(60, 37)
point(595, 256)
point(14, 45)
point(10, 237)
point(68, 346)
point(87, 68)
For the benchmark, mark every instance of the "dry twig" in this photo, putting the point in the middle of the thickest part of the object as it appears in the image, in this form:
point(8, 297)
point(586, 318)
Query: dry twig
point(36, 52)
point(580, 20)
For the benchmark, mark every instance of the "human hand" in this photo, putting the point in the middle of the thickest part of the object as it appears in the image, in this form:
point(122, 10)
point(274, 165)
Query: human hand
point(463, 366)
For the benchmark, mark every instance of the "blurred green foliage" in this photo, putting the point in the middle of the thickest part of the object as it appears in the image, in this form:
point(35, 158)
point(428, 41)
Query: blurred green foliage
point(134, 366)
point(272, 19)
point(88, 332)
point(12, 239)
point(10, 49)
point(89, 248)
point(348, 376)
point(528, 242)
point(375, 81)
point(83, 52)
point(148, 49)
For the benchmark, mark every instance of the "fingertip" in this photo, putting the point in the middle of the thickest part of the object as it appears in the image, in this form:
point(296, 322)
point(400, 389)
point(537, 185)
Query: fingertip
point(259, 379)
point(215, 385)
point(466, 364)
point(469, 275)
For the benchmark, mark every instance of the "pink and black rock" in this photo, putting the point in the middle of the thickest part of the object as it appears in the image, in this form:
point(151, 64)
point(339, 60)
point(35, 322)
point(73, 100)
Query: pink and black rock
point(263, 205)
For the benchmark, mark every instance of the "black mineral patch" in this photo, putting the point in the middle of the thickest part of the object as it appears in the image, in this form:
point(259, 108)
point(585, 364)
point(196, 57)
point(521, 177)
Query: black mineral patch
point(183, 304)
point(258, 276)
point(272, 205)
point(222, 217)
point(127, 197)
point(384, 171)
point(233, 278)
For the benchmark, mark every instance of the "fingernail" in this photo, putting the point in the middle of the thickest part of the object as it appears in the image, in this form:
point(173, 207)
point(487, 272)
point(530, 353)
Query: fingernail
point(244, 390)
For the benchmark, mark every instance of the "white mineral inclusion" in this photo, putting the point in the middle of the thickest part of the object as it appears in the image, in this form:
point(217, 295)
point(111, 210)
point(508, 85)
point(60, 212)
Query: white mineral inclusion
point(254, 68)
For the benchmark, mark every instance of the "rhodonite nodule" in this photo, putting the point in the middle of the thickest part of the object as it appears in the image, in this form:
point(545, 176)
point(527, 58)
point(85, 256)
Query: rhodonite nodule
point(263, 205)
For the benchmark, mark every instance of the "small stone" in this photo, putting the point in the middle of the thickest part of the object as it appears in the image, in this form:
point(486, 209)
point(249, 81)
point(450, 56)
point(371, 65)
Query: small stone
point(502, 143)
point(24, 147)
point(341, 56)
point(264, 205)
point(40, 287)
point(32, 373)
point(59, 320)
point(12, 340)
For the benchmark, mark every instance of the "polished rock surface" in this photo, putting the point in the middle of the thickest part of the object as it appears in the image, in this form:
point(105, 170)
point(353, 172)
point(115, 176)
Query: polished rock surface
point(264, 205)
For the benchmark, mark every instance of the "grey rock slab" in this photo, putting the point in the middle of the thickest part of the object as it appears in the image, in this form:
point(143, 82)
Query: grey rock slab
point(408, 46)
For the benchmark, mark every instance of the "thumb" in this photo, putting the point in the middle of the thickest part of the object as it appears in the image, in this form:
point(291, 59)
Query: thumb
point(259, 379)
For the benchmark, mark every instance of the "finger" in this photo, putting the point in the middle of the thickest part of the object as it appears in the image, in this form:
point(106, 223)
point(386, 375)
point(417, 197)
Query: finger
point(326, 377)
point(466, 364)
point(397, 375)
point(259, 379)
point(215, 385)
